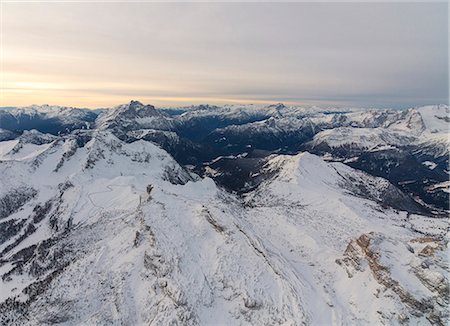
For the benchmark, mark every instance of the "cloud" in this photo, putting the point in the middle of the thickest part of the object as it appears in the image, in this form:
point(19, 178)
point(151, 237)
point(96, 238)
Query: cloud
point(356, 54)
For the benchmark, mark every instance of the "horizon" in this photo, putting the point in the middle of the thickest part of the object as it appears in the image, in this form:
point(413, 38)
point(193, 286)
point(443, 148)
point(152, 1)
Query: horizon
point(8, 107)
point(95, 55)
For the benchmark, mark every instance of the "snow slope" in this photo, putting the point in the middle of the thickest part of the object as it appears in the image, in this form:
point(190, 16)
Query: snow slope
point(361, 138)
point(119, 233)
point(133, 116)
point(307, 216)
point(436, 118)
point(103, 226)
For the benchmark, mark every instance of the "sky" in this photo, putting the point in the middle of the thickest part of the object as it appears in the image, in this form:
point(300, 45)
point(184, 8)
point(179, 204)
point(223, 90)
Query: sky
point(174, 54)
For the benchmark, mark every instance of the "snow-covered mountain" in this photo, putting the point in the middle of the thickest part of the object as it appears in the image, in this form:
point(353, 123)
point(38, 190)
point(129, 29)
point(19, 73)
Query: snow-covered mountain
point(47, 118)
point(409, 147)
point(380, 278)
point(352, 140)
point(107, 226)
point(133, 116)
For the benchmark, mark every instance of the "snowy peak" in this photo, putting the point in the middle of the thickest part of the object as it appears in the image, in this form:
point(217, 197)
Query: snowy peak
point(47, 118)
point(51, 111)
point(297, 169)
point(339, 212)
point(133, 116)
point(413, 122)
point(35, 137)
point(359, 139)
point(101, 153)
point(134, 109)
point(309, 176)
point(26, 146)
point(436, 118)
point(430, 119)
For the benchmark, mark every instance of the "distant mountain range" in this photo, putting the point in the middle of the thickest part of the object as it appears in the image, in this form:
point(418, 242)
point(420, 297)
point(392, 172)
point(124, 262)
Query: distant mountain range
point(235, 214)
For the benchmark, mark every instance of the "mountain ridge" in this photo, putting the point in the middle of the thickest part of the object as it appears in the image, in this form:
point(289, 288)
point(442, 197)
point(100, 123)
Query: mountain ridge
point(128, 221)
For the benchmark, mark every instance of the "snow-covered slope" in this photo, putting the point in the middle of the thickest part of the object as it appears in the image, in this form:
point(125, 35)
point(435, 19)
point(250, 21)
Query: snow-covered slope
point(408, 147)
point(26, 145)
point(133, 116)
point(436, 118)
point(95, 230)
point(357, 263)
point(104, 226)
point(47, 118)
point(266, 134)
point(425, 124)
point(68, 114)
point(360, 138)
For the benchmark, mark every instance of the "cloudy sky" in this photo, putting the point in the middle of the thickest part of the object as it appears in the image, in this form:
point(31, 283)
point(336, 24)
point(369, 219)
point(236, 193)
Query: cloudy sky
point(104, 54)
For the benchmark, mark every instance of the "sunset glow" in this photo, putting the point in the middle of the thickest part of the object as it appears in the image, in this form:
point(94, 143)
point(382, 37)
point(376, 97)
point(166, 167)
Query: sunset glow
point(94, 55)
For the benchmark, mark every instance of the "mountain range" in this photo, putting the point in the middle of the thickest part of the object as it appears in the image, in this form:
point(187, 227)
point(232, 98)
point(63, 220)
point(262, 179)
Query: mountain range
point(233, 214)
